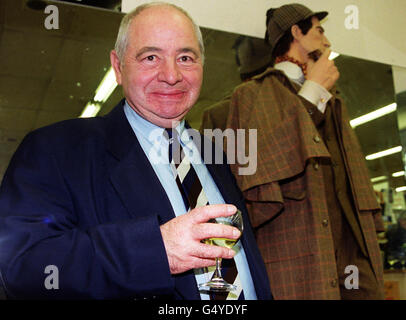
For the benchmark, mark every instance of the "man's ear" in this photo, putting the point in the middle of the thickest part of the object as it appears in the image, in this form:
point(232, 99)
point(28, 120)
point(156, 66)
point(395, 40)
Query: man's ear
point(296, 32)
point(116, 65)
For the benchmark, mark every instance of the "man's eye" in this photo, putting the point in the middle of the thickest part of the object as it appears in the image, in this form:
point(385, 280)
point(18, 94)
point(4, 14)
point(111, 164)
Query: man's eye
point(186, 59)
point(151, 58)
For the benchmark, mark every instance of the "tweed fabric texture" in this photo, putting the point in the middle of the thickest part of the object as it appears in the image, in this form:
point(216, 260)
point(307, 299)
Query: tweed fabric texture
point(215, 117)
point(286, 196)
point(279, 20)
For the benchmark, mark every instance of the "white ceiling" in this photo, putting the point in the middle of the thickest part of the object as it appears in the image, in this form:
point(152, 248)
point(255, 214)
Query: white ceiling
point(380, 35)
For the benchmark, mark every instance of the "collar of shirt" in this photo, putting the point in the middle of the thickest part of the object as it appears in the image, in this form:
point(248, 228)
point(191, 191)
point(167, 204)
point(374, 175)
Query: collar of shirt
point(293, 71)
point(154, 143)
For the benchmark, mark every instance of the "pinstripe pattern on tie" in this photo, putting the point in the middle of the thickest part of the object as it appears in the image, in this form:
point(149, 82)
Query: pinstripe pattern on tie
point(186, 178)
point(194, 196)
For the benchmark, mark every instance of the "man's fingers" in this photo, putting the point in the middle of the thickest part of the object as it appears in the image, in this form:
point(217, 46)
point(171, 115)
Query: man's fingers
point(202, 263)
point(207, 263)
point(205, 213)
point(326, 54)
point(194, 262)
point(215, 230)
point(182, 236)
point(207, 251)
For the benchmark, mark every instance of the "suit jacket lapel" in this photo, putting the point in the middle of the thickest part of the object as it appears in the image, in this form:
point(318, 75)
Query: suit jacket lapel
point(138, 186)
point(133, 176)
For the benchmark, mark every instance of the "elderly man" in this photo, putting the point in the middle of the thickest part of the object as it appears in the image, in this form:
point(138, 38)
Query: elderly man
point(91, 208)
point(310, 200)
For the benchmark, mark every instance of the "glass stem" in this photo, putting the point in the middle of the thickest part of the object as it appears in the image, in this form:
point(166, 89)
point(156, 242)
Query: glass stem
point(217, 272)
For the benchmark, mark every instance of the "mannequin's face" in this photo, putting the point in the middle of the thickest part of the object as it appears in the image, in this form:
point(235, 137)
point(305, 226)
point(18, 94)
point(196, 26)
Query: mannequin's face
point(314, 39)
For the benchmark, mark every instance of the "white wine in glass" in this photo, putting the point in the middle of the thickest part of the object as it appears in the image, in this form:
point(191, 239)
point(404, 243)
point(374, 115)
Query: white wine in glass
point(217, 283)
point(221, 242)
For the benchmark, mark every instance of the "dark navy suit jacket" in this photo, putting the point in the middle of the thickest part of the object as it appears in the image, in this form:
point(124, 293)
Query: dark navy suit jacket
point(82, 196)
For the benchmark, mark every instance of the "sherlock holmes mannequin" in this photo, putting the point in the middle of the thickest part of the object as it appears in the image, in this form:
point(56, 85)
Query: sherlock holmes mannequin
point(310, 200)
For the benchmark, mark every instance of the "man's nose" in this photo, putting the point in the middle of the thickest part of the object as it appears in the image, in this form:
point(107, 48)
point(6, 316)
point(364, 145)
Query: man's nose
point(327, 43)
point(169, 72)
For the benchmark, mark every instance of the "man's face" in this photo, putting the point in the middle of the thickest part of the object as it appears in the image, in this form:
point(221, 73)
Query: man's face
point(314, 39)
point(162, 68)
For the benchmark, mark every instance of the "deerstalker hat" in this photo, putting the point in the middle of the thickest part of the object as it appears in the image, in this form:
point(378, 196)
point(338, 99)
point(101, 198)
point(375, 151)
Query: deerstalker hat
point(279, 20)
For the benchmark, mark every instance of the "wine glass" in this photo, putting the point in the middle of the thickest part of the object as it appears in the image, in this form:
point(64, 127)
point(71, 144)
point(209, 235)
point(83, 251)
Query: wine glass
point(217, 283)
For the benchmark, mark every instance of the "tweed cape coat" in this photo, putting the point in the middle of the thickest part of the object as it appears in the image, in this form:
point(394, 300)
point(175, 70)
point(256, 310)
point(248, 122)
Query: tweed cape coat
point(286, 197)
point(216, 116)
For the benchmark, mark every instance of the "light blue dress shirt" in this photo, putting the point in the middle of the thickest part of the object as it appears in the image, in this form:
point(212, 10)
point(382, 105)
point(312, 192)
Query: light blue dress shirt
point(156, 147)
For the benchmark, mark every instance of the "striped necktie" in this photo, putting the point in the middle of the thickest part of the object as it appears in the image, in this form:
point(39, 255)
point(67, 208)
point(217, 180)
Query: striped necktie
point(194, 196)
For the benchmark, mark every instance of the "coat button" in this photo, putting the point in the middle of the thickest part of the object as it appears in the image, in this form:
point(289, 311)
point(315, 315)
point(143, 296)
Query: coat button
point(333, 283)
point(316, 139)
point(325, 223)
point(316, 166)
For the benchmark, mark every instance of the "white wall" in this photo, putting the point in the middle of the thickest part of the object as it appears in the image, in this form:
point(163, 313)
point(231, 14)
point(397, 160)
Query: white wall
point(399, 77)
point(380, 37)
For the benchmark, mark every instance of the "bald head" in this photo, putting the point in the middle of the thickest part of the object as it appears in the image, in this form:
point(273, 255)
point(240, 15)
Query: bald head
point(161, 68)
point(129, 19)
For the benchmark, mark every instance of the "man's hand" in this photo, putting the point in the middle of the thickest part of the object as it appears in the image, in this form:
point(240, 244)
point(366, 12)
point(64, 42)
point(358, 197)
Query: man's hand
point(182, 236)
point(324, 71)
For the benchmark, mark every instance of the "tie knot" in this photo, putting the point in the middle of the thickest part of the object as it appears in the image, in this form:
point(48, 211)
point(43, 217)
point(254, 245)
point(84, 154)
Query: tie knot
point(175, 151)
point(170, 134)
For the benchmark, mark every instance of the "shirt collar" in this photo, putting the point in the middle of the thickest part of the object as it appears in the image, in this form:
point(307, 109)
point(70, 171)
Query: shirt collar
point(150, 131)
point(292, 70)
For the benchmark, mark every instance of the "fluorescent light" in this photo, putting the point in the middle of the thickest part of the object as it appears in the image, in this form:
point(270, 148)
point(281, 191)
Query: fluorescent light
point(373, 115)
point(333, 55)
point(106, 87)
point(384, 153)
point(398, 174)
point(90, 110)
point(103, 92)
point(400, 189)
point(377, 179)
